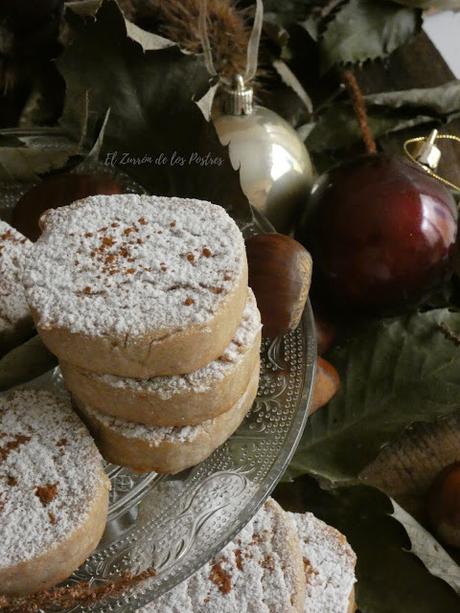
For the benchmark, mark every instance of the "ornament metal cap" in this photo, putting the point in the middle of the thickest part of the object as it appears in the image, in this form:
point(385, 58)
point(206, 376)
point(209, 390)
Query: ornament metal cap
point(427, 153)
point(239, 99)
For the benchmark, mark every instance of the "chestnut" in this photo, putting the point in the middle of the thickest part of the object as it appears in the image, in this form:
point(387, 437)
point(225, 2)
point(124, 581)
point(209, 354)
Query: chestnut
point(326, 333)
point(57, 191)
point(327, 383)
point(444, 505)
point(280, 275)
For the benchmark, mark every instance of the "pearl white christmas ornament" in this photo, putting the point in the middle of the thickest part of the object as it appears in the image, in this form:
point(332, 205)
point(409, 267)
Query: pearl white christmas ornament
point(275, 169)
point(276, 172)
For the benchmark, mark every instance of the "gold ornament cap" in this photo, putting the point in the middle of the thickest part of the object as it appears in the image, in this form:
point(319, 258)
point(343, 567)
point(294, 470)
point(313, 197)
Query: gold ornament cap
point(427, 153)
point(423, 151)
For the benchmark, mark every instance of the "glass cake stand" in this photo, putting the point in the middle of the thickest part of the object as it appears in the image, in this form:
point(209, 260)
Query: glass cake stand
point(177, 523)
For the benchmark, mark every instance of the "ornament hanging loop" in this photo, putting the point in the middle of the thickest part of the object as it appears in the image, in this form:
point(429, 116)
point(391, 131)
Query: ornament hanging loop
point(427, 155)
point(204, 37)
point(252, 56)
point(252, 50)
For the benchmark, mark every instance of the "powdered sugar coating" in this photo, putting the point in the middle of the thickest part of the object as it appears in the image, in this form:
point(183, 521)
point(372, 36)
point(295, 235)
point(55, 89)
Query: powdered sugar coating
point(50, 471)
point(13, 250)
point(205, 378)
point(252, 574)
point(130, 264)
point(157, 435)
point(329, 565)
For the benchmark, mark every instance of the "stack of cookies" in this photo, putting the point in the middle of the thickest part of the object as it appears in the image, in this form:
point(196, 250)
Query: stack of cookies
point(145, 302)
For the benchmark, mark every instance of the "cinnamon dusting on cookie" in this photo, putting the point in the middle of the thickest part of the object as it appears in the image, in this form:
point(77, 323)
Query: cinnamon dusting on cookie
point(18, 440)
point(129, 252)
point(268, 563)
point(47, 493)
point(221, 578)
point(81, 593)
point(238, 559)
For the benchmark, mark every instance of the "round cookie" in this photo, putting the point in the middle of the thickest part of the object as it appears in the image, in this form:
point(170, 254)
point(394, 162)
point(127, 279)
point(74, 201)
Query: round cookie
point(329, 564)
point(53, 492)
point(304, 555)
point(260, 571)
point(15, 320)
point(165, 449)
point(137, 286)
point(177, 400)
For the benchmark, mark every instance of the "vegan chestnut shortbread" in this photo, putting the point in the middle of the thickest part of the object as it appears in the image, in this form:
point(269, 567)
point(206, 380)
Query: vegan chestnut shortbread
point(53, 492)
point(15, 319)
point(137, 286)
point(166, 449)
point(176, 400)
